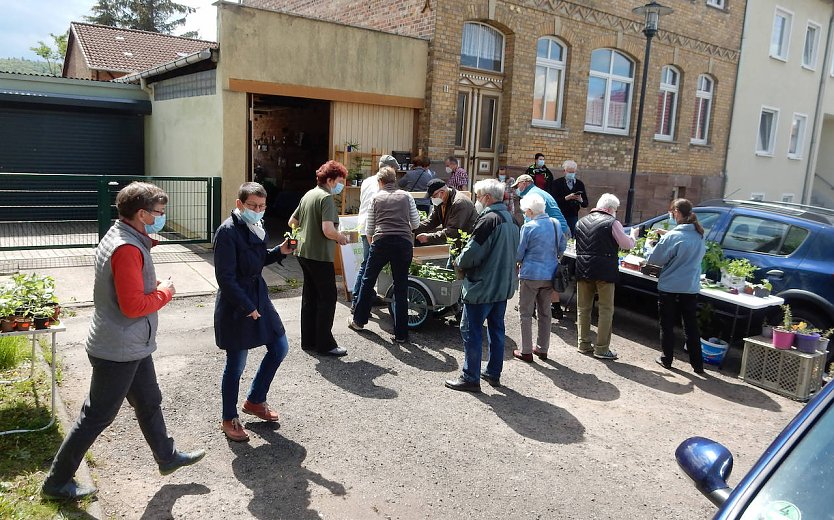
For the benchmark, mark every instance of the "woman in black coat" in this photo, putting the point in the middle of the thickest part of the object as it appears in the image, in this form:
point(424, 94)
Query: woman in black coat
point(244, 317)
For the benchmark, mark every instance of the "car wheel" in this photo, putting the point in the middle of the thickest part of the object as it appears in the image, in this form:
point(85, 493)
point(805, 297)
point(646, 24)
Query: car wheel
point(810, 315)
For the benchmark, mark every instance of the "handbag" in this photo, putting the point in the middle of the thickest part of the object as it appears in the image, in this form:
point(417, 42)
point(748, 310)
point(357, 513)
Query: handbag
point(560, 279)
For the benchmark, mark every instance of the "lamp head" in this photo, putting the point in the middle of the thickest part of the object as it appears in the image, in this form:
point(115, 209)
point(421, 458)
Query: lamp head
point(652, 11)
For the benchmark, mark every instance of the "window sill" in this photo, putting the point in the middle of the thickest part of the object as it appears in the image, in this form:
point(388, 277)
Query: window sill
point(665, 139)
point(700, 144)
point(548, 125)
point(595, 130)
point(809, 68)
point(764, 154)
point(717, 8)
point(779, 58)
point(793, 157)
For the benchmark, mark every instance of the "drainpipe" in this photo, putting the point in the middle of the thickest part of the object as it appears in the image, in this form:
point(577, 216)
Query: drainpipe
point(813, 152)
point(733, 101)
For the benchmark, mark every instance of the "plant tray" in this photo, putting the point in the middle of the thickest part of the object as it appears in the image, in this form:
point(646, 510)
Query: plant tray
point(789, 373)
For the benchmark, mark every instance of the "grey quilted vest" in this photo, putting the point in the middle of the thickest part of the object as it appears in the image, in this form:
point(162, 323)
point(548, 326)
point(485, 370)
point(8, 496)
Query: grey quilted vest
point(113, 336)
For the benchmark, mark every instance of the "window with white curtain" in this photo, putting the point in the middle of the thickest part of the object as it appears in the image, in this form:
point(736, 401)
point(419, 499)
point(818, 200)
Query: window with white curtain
point(667, 103)
point(766, 138)
point(703, 108)
point(549, 82)
point(780, 36)
point(610, 83)
point(812, 42)
point(482, 47)
point(797, 142)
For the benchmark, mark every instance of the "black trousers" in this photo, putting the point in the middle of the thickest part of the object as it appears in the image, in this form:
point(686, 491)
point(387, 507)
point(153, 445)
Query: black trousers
point(111, 383)
point(672, 307)
point(318, 305)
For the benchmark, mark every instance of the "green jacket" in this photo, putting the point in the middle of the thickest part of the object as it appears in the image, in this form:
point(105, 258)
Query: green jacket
point(488, 258)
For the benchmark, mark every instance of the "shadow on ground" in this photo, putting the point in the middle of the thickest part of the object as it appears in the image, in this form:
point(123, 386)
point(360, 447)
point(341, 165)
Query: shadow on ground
point(162, 503)
point(277, 477)
point(356, 377)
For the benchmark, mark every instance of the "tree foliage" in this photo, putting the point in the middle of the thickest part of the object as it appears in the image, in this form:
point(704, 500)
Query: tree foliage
point(162, 16)
point(54, 56)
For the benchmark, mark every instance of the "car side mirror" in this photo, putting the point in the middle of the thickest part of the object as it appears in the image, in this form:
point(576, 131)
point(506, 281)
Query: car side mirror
point(709, 465)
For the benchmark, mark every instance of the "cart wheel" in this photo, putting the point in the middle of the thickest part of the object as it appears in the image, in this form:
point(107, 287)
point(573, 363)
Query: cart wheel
point(418, 305)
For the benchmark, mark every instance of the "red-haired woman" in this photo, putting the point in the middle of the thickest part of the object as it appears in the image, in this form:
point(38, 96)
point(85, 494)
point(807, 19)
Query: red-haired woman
point(317, 221)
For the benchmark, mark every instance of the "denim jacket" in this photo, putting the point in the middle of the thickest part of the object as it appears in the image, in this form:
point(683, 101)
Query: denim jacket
point(679, 252)
point(537, 250)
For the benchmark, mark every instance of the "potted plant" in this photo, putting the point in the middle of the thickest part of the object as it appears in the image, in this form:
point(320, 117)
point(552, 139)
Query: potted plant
point(767, 329)
point(42, 316)
point(783, 335)
point(713, 261)
point(763, 290)
point(822, 345)
point(352, 146)
point(737, 272)
point(7, 308)
point(455, 248)
point(806, 338)
point(292, 237)
point(713, 348)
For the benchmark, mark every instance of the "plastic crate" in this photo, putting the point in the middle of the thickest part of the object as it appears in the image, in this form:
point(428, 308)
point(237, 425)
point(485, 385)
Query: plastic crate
point(790, 373)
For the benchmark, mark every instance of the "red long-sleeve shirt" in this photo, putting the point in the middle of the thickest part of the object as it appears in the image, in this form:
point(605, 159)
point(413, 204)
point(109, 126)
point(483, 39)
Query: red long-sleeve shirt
point(126, 264)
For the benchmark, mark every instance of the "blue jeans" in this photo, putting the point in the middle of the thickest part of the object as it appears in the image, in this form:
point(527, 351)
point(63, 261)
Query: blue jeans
point(235, 363)
point(357, 286)
point(471, 329)
point(398, 252)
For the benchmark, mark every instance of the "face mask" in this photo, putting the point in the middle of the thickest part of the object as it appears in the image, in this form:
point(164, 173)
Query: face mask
point(570, 176)
point(502, 178)
point(540, 163)
point(251, 217)
point(479, 206)
point(448, 170)
point(672, 218)
point(518, 192)
point(436, 201)
point(158, 224)
point(337, 189)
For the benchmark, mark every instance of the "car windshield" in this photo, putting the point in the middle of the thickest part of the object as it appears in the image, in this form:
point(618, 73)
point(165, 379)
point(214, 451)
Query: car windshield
point(707, 219)
point(801, 486)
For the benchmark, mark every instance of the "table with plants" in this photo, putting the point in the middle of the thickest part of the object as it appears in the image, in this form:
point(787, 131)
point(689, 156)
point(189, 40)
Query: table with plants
point(29, 307)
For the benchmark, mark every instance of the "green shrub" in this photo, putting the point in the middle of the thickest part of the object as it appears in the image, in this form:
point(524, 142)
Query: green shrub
point(13, 350)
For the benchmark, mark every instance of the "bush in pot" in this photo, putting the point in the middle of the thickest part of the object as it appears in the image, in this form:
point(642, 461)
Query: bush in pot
point(805, 338)
point(783, 335)
point(7, 309)
point(738, 271)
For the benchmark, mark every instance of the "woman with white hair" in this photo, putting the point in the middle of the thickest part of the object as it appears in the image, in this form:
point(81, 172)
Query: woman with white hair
point(542, 242)
point(570, 194)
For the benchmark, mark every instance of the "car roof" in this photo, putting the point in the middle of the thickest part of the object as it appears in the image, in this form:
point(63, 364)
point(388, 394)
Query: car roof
point(810, 213)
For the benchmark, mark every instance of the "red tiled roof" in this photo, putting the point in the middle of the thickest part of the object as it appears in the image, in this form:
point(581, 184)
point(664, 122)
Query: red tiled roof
point(130, 50)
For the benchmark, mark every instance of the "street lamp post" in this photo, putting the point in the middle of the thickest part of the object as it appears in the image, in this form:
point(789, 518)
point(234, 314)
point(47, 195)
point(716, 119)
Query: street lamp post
point(652, 11)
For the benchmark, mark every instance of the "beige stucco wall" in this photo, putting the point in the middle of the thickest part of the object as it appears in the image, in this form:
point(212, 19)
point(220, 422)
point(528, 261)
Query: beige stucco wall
point(786, 86)
point(271, 47)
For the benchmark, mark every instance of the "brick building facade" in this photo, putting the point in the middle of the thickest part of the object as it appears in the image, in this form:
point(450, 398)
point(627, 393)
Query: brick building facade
point(687, 110)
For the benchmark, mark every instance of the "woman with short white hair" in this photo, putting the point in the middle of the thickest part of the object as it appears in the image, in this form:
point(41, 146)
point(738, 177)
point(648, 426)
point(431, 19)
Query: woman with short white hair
point(542, 242)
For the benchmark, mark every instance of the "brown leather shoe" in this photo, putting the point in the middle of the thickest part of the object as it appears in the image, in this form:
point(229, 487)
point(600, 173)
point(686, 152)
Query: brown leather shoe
point(524, 357)
point(261, 411)
point(234, 430)
point(541, 353)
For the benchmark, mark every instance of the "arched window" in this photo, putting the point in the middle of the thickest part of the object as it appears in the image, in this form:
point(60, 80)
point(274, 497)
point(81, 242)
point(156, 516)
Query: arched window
point(667, 103)
point(703, 107)
point(549, 84)
point(609, 92)
point(482, 47)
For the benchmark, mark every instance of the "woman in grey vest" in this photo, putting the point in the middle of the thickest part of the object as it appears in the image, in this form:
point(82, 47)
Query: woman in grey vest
point(127, 296)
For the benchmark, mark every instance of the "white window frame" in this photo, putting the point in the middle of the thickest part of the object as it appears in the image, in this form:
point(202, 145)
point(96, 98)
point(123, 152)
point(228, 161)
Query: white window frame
point(560, 67)
point(757, 196)
point(815, 50)
point(773, 131)
point(789, 196)
point(708, 95)
point(800, 137)
point(786, 47)
point(503, 47)
point(718, 4)
point(669, 89)
point(610, 77)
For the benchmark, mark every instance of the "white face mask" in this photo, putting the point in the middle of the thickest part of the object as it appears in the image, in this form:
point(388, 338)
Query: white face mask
point(540, 163)
point(448, 170)
point(479, 206)
point(436, 201)
point(502, 178)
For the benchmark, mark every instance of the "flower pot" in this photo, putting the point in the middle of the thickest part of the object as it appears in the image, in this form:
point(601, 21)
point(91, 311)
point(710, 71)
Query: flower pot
point(783, 339)
point(761, 292)
point(806, 342)
point(713, 350)
point(23, 323)
point(41, 322)
point(734, 282)
point(56, 313)
point(767, 331)
point(822, 345)
point(748, 289)
point(7, 325)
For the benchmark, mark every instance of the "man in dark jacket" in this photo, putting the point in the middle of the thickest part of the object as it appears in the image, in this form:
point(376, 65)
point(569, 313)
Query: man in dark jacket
point(488, 260)
point(570, 194)
point(599, 236)
point(541, 174)
point(244, 317)
point(452, 212)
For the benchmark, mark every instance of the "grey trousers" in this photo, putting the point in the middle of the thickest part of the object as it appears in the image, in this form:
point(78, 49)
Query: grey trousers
point(111, 383)
point(533, 294)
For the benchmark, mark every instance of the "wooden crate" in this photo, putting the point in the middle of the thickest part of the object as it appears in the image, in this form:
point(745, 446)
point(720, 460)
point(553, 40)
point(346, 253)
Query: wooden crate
point(791, 373)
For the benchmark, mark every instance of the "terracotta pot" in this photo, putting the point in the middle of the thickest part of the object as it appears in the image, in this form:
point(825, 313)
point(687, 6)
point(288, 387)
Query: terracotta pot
point(783, 339)
point(23, 323)
point(41, 323)
point(7, 325)
point(56, 313)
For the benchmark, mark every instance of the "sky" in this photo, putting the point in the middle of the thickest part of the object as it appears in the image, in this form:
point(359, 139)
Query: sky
point(24, 22)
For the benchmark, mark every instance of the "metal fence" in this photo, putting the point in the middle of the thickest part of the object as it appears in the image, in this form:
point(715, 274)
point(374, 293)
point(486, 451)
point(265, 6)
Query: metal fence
point(52, 211)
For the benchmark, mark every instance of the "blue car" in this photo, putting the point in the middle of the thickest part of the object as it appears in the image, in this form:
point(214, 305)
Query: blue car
point(793, 479)
point(792, 245)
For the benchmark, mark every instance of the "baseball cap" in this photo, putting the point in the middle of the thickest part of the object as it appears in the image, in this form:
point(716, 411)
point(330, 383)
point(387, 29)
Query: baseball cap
point(522, 178)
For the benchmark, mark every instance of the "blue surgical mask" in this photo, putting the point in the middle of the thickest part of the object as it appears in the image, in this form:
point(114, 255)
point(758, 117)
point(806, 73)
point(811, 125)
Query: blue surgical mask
point(540, 163)
point(251, 217)
point(518, 192)
point(156, 227)
point(672, 219)
point(502, 178)
point(570, 176)
point(337, 189)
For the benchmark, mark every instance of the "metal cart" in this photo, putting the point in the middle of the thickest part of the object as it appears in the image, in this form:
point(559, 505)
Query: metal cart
point(427, 297)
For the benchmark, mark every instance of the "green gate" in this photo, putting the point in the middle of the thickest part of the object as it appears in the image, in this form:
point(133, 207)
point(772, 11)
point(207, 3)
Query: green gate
point(54, 211)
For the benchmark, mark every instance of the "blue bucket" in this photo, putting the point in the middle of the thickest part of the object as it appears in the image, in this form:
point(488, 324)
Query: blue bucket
point(713, 350)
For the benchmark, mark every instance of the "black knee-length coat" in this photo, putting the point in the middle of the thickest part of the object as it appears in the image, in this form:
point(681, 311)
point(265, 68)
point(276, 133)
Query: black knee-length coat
point(239, 258)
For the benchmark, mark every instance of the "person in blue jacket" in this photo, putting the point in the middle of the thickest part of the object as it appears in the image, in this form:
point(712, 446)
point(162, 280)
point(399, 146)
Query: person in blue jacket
point(679, 253)
point(244, 317)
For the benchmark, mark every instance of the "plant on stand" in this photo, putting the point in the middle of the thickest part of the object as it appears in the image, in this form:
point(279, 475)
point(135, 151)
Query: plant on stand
point(713, 260)
point(822, 346)
point(806, 338)
point(713, 348)
point(783, 335)
point(738, 271)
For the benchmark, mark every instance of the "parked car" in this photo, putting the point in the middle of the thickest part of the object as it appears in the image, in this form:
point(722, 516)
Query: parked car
point(793, 479)
point(792, 245)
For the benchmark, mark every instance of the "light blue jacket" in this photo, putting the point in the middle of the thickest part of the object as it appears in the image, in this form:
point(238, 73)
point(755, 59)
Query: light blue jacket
point(679, 252)
point(550, 206)
point(537, 250)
